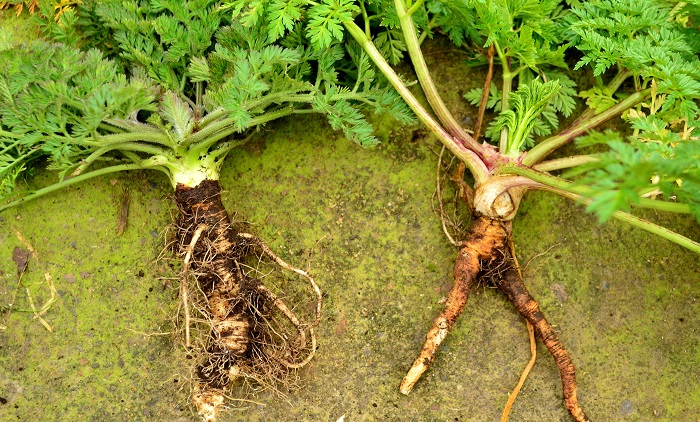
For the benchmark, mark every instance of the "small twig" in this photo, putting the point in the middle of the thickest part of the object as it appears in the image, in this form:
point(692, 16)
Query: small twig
point(46, 306)
point(484, 94)
point(14, 297)
point(183, 281)
point(123, 211)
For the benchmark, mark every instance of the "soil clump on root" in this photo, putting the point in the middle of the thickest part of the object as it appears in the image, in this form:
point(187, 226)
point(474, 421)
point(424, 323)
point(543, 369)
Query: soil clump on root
point(249, 333)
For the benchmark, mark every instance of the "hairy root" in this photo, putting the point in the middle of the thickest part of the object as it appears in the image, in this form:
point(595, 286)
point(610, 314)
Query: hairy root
point(245, 330)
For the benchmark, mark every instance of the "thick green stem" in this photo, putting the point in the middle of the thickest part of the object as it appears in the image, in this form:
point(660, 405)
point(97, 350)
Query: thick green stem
point(136, 147)
point(280, 98)
point(68, 182)
point(667, 234)
point(564, 188)
point(565, 163)
point(613, 86)
point(121, 138)
point(426, 81)
point(505, 94)
point(617, 81)
point(217, 132)
point(414, 7)
point(549, 145)
point(565, 185)
point(469, 157)
point(212, 117)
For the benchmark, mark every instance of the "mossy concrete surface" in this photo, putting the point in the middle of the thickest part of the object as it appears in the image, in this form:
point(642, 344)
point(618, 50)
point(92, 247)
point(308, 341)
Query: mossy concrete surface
point(625, 303)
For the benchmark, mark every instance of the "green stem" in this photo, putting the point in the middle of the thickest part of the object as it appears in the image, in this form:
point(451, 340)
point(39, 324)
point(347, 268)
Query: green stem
point(110, 127)
point(121, 138)
point(365, 18)
point(279, 98)
point(200, 147)
point(68, 182)
point(9, 147)
point(146, 148)
point(220, 152)
point(566, 186)
point(198, 95)
point(414, 8)
point(130, 126)
point(612, 87)
point(469, 157)
point(212, 117)
point(564, 163)
point(427, 84)
point(617, 81)
point(210, 130)
point(505, 94)
point(667, 234)
point(9, 134)
point(547, 146)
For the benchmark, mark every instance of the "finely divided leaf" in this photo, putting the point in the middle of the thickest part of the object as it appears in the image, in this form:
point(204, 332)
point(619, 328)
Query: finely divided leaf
point(326, 21)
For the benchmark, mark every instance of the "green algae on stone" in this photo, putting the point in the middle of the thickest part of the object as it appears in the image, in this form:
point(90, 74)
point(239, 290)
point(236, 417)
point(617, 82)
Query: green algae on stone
point(378, 251)
point(362, 222)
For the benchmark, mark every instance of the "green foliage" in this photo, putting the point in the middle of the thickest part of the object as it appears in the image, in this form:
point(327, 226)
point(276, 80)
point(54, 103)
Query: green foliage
point(172, 85)
point(527, 105)
point(650, 41)
point(646, 41)
point(661, 159)
point(55, 98)
point(638, 51)
point(629, 33)
point(493, 101)
point(325, 22)
point(545, 121)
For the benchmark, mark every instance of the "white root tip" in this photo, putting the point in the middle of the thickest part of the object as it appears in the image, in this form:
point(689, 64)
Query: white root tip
point(208, 402)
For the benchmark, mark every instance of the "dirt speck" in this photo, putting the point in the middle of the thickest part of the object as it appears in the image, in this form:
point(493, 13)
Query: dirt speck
point(559, 291)
point(21, 258)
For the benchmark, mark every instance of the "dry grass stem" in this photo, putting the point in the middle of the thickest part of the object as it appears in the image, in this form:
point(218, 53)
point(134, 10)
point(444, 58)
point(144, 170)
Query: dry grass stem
point(26, 244)
point(526, 372)
point(533, 346)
